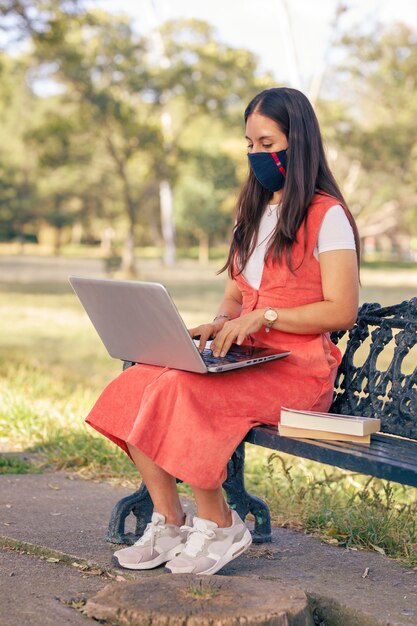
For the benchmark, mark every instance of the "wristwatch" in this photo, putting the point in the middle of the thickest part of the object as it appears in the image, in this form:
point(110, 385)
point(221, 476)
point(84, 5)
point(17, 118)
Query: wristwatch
point(270, 316)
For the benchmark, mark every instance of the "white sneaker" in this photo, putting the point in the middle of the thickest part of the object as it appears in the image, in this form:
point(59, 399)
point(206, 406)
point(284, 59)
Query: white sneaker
point(159, 543)
point(208, 548)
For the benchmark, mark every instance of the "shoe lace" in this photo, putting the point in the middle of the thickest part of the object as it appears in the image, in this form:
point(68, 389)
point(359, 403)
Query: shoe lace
point(196, 539)
point(149, 534)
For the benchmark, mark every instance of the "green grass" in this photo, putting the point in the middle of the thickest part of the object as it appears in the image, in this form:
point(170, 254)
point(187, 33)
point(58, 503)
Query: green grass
point(53, 367)
point(388, 265)
point(41, 411)
point(203, 590)
point(17, 465)
point(341, 507)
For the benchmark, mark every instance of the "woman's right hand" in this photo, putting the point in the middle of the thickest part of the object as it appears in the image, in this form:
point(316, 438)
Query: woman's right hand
point(206, 331)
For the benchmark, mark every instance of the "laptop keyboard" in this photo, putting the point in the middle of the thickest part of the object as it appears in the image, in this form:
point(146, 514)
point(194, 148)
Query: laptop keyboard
point(209, 359)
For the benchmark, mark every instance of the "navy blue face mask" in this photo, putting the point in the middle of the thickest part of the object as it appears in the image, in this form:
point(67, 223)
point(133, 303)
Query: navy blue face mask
point(269, 168)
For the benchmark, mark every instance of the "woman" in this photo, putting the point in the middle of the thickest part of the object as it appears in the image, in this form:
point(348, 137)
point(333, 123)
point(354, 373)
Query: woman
point(293, 277)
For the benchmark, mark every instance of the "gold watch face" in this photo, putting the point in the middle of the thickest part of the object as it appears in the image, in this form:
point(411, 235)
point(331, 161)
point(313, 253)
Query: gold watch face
point(270, 315)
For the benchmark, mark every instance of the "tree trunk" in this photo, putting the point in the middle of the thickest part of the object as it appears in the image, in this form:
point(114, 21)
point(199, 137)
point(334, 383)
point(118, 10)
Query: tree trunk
point(76, 233)
point(21, 240)
point(214, 601)
point(58, 240)
point(165, 191)
point(167, 222)
point(203, 248)
point(128, 257)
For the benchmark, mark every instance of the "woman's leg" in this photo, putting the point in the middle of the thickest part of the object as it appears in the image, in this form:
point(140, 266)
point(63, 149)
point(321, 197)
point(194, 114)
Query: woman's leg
point(162, 487)
point(212, 506)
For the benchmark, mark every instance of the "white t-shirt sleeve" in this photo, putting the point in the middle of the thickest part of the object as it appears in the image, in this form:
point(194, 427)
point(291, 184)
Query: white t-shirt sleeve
point(335, 232)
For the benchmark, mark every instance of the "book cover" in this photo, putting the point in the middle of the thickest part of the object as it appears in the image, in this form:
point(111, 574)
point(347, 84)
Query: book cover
point(330, 422)
point(307, 433)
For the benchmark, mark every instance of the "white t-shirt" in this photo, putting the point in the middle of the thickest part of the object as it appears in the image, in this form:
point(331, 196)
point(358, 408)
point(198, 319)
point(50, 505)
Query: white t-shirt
point(335, 234)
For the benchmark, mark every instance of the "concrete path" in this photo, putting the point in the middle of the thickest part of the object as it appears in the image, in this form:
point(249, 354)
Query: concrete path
point(37, 592)
point(54, 557)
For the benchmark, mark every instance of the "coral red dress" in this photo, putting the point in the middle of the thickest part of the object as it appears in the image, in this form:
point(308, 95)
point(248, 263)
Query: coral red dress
point(190, 424)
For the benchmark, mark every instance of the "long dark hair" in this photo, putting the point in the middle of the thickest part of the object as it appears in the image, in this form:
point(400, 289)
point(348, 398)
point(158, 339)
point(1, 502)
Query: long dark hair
point(308, 173)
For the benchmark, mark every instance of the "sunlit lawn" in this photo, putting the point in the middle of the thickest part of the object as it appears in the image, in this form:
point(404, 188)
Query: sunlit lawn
point(53, 366)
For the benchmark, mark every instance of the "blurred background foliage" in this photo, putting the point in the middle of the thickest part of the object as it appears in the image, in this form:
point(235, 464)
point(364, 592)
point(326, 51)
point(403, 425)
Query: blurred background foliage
point(119, 140)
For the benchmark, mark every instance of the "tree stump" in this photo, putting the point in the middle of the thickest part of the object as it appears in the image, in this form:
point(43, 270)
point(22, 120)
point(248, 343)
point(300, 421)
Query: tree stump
point(189, 600)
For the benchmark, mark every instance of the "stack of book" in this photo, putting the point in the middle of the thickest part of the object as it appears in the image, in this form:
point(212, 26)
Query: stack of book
point(328, 426)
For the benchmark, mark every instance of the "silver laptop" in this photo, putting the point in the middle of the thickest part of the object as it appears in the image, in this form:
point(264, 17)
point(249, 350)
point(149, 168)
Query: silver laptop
point(139, 322)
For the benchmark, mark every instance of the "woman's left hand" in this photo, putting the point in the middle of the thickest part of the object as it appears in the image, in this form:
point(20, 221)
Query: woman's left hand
point(235, 331)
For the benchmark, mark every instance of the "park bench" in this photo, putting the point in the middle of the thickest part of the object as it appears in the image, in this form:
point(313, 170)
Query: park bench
point(364, 385)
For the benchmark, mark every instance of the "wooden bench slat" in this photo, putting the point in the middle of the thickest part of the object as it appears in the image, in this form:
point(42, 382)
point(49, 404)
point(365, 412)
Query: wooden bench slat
point(403, 452)
point(383, 447)
point(386, 445)
point(343, 456)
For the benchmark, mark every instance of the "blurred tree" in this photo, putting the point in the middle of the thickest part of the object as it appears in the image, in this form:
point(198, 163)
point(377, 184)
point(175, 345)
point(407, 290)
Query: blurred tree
point(202, 199)
point(18, 213)
point(100, 65)
point(197, 76)
point(112, 73)
point(97, 61)
point(105, 70)
point(196, 55)
point(18, 197)
point(21, 18)
point(62, 159)
point(376, 134)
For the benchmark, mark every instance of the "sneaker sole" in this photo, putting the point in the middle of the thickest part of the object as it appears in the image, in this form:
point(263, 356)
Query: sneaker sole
point(233, 552)
point(162, 558)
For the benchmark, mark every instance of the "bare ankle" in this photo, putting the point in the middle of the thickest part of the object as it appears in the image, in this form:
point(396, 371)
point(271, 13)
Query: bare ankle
point(176, 519)
point(223, 520)
point(226, 520)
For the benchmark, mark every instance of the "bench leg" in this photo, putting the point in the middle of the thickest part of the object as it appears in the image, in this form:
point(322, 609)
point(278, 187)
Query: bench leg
point(141, 505)
point(242, 501)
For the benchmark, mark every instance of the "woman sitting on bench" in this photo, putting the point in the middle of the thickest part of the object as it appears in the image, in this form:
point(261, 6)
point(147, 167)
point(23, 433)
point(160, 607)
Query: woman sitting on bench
point(292, 278)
